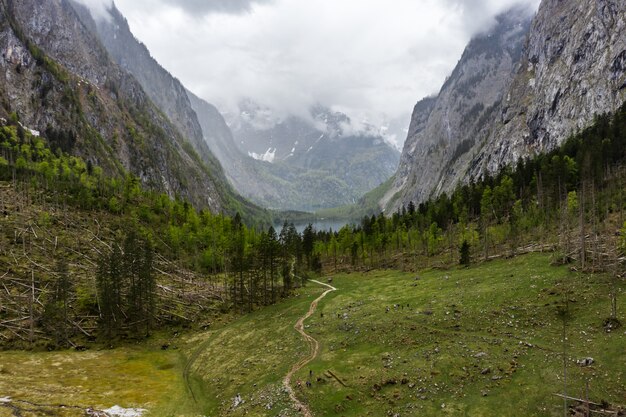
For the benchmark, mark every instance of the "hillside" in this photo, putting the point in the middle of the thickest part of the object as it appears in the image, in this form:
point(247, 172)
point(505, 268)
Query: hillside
point(429, 351)
point(518, 90)
point(165, 91)
point(87, 257)
point(418, 344)
point(59, 78)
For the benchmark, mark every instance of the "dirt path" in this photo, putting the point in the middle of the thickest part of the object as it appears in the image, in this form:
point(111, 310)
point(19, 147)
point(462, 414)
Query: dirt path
point(313, 351)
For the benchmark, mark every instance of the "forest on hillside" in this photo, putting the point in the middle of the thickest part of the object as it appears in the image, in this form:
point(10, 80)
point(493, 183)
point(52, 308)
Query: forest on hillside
point(87, 256)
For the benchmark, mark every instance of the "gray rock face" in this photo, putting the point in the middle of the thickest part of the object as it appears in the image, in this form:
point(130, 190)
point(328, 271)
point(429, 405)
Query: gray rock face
point(573, 69)
point(444, 129)
point(72, 85)
point(164, 90)
point(515, 97)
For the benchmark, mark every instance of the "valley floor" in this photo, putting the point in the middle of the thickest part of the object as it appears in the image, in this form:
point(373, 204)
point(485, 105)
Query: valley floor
point(482, 341)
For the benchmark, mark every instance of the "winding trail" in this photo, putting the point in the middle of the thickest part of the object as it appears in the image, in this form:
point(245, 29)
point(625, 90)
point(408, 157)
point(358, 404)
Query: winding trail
point(313, 351)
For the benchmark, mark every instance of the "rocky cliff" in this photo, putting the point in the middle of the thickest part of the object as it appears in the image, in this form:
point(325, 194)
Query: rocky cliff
point(519, 89)
point(446, 128)
point(307, 184)
point(573, 68)
point(167, 92)
point(56, 75)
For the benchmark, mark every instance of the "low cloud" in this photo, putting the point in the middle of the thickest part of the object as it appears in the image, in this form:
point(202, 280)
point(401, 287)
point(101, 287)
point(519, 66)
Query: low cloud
point(99, 8)
point(204, 7)
point(372, 59)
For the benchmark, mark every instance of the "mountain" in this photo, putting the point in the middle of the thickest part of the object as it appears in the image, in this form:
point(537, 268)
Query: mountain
point(316, 163)
point(446, 127)
point(296, 140)
point(59, 78)
point(307, 185)
point(165, 91)
point(573, 68)
point(519, 89)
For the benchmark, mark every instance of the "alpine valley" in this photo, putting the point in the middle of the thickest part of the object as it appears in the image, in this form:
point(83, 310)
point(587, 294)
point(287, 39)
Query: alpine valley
point(164, 256)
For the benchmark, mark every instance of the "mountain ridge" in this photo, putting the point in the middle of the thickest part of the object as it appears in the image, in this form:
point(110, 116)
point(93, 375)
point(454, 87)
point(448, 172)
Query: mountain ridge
point(570, 50)
point(92, 107)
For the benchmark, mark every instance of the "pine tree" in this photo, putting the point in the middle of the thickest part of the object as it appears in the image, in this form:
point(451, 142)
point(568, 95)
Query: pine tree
point(465, 253)
point(56, 308)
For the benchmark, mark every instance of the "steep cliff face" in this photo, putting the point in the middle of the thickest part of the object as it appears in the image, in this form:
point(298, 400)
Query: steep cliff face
point(216, 133)
point(522, 101)
point(574, 67)
point(444, 129)
point(167, 92)
point(59, 78)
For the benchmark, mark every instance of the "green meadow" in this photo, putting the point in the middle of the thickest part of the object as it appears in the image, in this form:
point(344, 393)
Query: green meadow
point(480, 341)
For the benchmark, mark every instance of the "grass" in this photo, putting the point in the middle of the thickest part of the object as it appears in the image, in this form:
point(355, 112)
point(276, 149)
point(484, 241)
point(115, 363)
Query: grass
point(250, 357)
point(482, 341)
point(144, 377)
point(479, 341)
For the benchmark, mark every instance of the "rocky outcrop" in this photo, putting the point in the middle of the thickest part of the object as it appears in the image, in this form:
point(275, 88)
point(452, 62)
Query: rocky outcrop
point(445, 130)
point(57, 76)
point(167, 92)
point(521, 95)
point(572, 69)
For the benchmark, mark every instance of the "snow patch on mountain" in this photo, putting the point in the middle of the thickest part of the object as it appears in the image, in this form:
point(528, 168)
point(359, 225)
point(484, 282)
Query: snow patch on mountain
point(268, 156)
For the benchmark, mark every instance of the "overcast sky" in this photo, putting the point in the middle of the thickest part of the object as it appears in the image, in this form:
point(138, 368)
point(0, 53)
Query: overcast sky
point(369, 58)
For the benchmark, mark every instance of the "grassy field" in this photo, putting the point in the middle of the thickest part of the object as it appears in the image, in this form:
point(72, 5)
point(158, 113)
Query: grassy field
point(143, 377)
point(482, 341)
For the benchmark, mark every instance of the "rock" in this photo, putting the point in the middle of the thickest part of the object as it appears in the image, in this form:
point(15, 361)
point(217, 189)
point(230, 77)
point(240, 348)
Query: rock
point(486, 371)
point(585, 362)
point(117, 411)
point(237, 401)
point(480, 355)
point(519, 89)
point(611, 324)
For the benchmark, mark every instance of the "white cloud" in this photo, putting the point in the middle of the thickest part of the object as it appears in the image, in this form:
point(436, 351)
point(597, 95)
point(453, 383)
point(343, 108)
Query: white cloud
point(99, 8)
point(372, 59)
point(203, 7)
